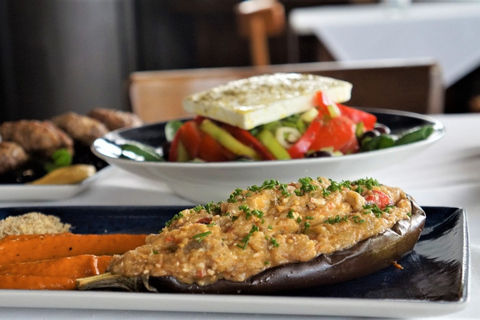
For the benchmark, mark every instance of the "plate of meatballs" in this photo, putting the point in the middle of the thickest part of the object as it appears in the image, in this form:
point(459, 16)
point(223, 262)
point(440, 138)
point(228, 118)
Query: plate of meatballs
point(51, 159)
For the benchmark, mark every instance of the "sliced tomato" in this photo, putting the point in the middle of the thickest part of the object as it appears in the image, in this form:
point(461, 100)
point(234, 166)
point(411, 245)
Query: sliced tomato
point(336, 133)
point(351, 147)
point(248, 139)
point(190, 135)
point(358, 116)
point(324, 106)
point(379, 198)
point(300, 147)
point(198, 119)
point(211, 151)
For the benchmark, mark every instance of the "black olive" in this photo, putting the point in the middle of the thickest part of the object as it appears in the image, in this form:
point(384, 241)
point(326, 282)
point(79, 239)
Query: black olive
point(367, 136)
point(243, 158)
point(318, 154)
point(166, 149)
point(383, 129)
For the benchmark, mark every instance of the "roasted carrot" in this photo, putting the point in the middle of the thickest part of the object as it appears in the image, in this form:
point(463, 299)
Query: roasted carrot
point(52, 274)
point(24, 248)
point(76, 266)
point(33, 282)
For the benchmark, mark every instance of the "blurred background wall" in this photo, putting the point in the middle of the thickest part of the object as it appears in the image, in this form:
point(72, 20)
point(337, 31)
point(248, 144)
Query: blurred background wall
point(65, 54)
point(61, 55)
point(75, 55)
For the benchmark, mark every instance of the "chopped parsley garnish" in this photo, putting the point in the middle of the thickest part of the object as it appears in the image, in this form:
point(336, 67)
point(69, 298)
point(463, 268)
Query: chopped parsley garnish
point(175, 217)
point(326, 192)
point(358, 184)
point(305, 186)
point(234, 195)
point(357, 219)
point(290, 214)
point(373, 208)
point(283, 188)
point(212, 208)
point(359, 189)
point(336, 219)
point(198, 208)
point(388, 207)
point(266, 185)
point(307, 226)
point(249, 213)
point(254, 188)
point(199, 237)
point(274, 242)
point(270, 184)
point(247, 237)
point(368, 183)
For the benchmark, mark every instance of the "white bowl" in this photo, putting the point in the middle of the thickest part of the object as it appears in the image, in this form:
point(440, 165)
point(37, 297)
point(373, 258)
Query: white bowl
point(206, 182)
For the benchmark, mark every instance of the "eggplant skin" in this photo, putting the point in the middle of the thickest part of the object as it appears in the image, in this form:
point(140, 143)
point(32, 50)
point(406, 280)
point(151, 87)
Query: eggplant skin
point(366, 257)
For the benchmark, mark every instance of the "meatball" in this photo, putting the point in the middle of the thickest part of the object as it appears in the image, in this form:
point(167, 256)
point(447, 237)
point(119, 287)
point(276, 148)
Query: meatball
point(12, 156)
point(115, 119)
point(41, 138)
point(81, 128)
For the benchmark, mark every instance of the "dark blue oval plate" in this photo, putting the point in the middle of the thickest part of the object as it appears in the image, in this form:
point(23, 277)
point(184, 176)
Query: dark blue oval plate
point(434, 279)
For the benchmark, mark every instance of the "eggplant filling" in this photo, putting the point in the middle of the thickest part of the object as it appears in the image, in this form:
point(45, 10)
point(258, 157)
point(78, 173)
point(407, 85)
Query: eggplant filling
point(263, 227)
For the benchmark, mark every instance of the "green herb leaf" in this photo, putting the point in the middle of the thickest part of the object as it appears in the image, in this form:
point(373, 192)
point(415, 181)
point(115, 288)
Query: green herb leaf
point(60, 158)
point(199, 237)
point(245, 240)
point(174, 218)
point(171, 129)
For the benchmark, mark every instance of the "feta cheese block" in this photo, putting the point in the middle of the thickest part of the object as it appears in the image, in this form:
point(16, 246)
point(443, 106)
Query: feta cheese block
point(248, 103)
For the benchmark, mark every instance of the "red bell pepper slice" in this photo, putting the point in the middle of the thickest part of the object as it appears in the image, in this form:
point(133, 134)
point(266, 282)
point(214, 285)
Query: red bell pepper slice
point(211, 151)
point(379, 198)
point(300, 147)
point(248, 139)
point(336, 132)
point(190, 136)
point(356, 115)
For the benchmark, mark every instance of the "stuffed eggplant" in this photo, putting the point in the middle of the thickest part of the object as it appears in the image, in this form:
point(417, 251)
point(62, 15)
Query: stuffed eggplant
point(271, 238)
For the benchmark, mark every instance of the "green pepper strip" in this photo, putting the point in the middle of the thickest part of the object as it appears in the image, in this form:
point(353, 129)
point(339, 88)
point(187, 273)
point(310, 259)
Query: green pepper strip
point(268, 140)
point(227, 140)
point(381, 142)
point(414, 136)
point(182, 153)
point(146, 152)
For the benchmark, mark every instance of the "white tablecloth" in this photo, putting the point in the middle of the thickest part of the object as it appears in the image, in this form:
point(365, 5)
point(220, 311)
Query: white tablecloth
point(447, 32)
point(447, 174)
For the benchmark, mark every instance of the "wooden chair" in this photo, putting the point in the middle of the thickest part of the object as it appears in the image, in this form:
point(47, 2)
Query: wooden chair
point(258, 20)
point(409, 85)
